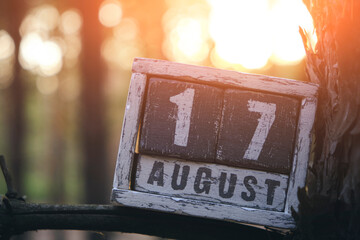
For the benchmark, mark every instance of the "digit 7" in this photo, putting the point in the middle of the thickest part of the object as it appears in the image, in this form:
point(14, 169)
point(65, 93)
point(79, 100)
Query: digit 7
point(267, 118)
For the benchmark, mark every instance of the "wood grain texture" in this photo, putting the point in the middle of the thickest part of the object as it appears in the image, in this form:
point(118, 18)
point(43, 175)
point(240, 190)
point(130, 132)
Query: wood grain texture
point(243, 126)
point(202, 209)
point(301, 153)
point(181, 120)
point(129, 133)
point(211, 182)
point(226, 78)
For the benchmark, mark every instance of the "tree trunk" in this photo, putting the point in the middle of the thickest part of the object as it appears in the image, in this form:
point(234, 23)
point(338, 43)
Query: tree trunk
point(330, 209)
point(93, 132)
point(92, 107)
point(16, 96)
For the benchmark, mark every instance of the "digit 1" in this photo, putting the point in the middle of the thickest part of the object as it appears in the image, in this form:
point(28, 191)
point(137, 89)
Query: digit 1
point(184, 102)
point(267, 117)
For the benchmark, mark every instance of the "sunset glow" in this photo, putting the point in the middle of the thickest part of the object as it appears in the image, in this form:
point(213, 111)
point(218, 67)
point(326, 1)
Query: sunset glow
point(123, 45)
point(286, 17)
point(187, 41)
point(231, 34)
point(240, 30)
point(251, 33)
point(245, 34)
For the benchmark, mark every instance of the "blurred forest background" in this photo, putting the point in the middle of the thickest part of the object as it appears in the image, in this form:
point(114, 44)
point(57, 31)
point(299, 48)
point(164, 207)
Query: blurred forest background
point(65, 68)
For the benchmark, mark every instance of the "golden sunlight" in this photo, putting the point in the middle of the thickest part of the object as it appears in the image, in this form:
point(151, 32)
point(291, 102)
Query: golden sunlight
point(124, 44)
point(262, 30)
point(240, 30)
point(286, 18)
point(186, 38)
point(236, 33)
point(110, 13)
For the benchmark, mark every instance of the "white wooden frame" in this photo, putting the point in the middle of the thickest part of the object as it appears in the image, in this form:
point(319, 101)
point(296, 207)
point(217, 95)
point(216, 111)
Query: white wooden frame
point(142, 69)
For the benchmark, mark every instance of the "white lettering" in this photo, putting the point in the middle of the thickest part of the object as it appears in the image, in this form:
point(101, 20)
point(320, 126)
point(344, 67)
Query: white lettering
point(184, 101)
point(267, 117)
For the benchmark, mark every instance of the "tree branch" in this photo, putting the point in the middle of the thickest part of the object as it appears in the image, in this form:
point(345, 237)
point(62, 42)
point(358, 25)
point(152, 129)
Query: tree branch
point(11, 193)
point(28, 217)
point(17, 217)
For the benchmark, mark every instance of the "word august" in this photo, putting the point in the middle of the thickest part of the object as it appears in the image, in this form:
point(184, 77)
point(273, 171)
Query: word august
point(248, 187)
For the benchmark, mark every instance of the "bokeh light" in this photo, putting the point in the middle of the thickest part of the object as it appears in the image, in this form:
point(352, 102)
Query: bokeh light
point(243, 35)
point(43, 19)
point(41, 56)
point(123, 46)
point(127, 30)
point(7, 46)
point(70, 22)
point(240, 30)
point(50, 58)
point(186, 35)
point(72, 50)
point(7, 50)
point(236, 34)
point(110, 13)
point(186, 42)
point(119, 55)
point(286, 17)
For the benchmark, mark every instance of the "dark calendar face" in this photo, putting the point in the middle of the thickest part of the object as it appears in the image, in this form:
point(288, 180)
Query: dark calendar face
point(214, 143)
point(181, 120)
point(257, 130)
point(232, 127)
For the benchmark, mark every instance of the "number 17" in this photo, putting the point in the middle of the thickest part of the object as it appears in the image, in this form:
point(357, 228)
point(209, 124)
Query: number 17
point(185, 101)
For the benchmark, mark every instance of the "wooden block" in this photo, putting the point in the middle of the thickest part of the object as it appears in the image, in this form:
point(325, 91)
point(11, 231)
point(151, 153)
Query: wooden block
point(226, 78)
point(181, 119)
point(129, 133)
point(211, 182)
point(258, 131)
point(254, 130)
point(204, 209)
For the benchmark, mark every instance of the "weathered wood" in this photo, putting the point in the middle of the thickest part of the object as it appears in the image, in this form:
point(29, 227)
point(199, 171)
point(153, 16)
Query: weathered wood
point(181, 120)
point(302, 152)
point(226, 78)
point(129, 134)
point(31, 217)
point(294, 101)
point(203, 209)
point(257, 131)
point(211, 182)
